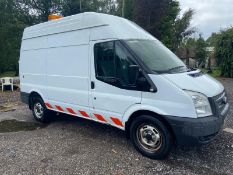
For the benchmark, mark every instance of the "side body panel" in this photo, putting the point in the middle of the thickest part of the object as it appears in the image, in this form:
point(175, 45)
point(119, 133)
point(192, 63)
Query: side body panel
point(169, 99)
point(68, 71)
point(57, 67)
point(32, 66)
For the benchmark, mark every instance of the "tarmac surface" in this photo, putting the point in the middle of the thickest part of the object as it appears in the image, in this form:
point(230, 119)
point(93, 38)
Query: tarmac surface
point(69, 145)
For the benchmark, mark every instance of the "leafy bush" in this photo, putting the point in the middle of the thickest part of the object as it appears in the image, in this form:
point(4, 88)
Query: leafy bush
point(224, 52)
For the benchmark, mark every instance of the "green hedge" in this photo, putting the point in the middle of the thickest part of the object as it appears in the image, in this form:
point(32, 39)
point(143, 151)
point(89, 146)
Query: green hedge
point(224, 52)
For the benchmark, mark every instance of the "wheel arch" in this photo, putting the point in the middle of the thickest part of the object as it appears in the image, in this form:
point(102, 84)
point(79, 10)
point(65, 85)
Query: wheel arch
point(138, 113)
point(33, 94)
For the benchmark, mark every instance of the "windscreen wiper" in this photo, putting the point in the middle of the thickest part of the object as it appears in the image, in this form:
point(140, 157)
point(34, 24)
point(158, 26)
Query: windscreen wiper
point(175, 68)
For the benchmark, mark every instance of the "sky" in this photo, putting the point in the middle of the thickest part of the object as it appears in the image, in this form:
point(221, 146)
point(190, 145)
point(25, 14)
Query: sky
point(210, 15)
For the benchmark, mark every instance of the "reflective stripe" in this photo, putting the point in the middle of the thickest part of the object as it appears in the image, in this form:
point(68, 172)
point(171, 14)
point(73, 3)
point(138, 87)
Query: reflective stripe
point(100, 117)
point(117, 121)
point(70, 110)
point(83, 113)
point(49, 105)
point(59, 108)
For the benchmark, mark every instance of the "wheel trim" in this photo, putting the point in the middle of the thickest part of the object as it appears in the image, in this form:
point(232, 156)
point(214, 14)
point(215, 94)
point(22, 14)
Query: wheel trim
point(38, 110)
point(149, 137)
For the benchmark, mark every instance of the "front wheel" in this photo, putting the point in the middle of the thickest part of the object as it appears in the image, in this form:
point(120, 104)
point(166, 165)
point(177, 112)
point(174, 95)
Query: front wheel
point(150, 137)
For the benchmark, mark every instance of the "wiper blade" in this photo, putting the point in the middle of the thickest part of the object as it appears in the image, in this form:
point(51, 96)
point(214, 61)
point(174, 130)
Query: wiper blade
point(170, 70)
point(175, 68)
point(191, 69)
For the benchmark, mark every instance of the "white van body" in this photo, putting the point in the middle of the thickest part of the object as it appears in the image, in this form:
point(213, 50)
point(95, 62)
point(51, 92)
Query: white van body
point(57, 63)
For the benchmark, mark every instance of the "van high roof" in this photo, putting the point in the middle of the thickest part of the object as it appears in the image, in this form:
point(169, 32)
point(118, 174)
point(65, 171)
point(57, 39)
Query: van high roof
point(109, 26)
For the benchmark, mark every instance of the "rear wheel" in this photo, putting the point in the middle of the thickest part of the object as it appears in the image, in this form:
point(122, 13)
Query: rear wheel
point(150, 137)
point(39, 110)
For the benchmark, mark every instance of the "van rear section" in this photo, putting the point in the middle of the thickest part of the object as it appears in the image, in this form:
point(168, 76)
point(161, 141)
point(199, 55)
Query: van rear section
point(107, 69)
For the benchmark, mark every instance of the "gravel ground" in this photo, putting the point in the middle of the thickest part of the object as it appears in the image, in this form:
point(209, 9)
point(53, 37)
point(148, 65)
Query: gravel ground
point(71, 145)
point(9, 97)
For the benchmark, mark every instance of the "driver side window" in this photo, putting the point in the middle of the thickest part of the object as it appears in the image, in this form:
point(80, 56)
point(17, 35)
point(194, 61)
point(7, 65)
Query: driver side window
point(112, 63)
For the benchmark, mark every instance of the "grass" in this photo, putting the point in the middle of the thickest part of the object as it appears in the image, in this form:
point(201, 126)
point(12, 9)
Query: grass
point(8, 74)
point(216, 72)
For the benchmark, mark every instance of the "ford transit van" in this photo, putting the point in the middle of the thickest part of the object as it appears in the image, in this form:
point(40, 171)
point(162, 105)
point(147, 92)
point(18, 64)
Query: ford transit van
point(107, 69)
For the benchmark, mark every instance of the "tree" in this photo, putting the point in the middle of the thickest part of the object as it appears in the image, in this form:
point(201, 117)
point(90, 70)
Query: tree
point(10, 35)
point(125, 9)
point(213, 39)
point(71, 7)
point(167, 26)
point(149, 15)
point(224, 52)
point(197, 49)
point(182, 29)
point(161, 19)
point(200, 51)
point(189, 43)
point(40, 9)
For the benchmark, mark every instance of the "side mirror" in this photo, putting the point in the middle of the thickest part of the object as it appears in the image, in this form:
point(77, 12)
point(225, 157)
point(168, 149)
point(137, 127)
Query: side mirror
point(141, 81)
point(133, 73)
point(143, 84)
point(137, 78)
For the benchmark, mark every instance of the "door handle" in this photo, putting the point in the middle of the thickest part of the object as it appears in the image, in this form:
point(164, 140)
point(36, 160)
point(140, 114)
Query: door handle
point(92, 85)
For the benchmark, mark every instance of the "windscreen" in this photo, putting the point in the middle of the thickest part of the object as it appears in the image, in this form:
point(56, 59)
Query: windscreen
point(156, 56)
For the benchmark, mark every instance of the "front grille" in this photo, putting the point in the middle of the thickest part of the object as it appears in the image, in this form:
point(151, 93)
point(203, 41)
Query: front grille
point(220, 101)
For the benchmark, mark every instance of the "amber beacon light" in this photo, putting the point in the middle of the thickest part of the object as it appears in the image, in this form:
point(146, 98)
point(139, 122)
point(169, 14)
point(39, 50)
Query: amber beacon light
point(54, 17)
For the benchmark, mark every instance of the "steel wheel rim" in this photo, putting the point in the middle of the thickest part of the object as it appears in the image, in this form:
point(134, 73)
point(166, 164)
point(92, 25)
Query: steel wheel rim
point(149, 137)
point(38, 110)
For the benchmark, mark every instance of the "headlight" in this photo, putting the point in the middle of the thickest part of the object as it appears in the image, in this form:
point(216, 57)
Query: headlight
point(201, 104)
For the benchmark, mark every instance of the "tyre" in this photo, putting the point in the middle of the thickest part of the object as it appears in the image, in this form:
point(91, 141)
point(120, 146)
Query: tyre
point(39, 110)
point(151, 137)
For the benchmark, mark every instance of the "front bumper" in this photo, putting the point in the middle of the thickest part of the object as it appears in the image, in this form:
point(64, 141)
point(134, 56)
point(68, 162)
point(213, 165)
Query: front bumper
point(189, 132)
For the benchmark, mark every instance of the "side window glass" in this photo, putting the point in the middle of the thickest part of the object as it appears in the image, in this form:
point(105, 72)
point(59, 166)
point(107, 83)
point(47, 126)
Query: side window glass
point(104, 59)
point(123, 61)
point(113, 64)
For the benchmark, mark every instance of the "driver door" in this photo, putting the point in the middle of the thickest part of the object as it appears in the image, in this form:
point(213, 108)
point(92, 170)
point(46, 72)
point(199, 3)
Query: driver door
point(110, 82)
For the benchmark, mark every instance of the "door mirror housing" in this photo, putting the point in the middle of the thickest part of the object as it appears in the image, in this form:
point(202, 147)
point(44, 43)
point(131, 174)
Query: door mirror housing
point(133, 73)
point(137, 79)
point(143, 84)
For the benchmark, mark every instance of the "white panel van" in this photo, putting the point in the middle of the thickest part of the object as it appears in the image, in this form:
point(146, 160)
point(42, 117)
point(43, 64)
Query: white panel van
point(107, 69)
